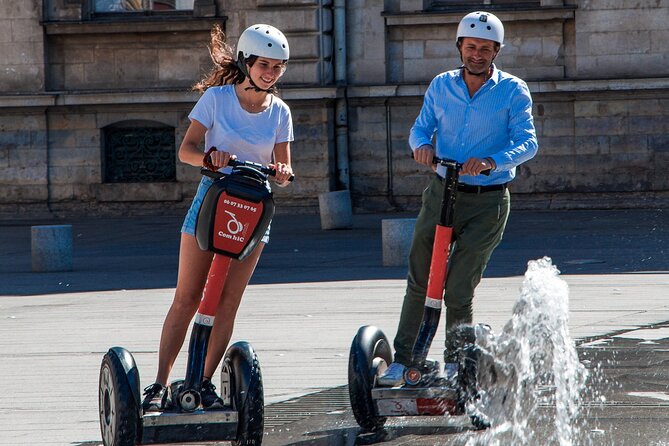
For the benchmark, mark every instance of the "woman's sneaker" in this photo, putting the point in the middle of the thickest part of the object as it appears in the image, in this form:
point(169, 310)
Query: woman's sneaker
point(154, 398)
point(210, 399)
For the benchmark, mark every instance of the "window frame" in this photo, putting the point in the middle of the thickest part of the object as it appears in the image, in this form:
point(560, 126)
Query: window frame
point(488, 5)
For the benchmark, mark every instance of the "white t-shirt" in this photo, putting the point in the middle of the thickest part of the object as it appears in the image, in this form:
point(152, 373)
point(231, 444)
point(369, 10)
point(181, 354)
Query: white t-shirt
point(230, 128)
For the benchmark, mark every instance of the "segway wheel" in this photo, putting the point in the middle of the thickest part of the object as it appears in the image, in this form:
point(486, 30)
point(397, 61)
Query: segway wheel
point(242, 366)
point(369, 351)
point(119, 412)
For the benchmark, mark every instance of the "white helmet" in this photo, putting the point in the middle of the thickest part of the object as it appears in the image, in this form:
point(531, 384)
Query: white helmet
point(263, 41)
point(481, 25)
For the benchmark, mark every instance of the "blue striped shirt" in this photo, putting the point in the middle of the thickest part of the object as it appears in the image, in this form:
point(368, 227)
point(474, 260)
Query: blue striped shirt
point(497, 123)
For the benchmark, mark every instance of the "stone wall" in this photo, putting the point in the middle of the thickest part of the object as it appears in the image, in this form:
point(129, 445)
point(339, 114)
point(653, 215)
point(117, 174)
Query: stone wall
point(21, 47)
point(621, 39)
point(598, 72)
point(120, 61)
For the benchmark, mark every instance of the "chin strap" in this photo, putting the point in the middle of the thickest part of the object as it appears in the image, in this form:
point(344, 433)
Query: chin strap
point(485, 73)
point(482, 73)
point(256, 88)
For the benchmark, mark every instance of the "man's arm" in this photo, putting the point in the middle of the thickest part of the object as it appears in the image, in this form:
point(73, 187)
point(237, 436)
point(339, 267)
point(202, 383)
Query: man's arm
point(521, 132)
point(422, 131)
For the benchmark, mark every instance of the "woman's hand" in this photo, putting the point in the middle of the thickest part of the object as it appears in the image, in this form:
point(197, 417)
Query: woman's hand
point(214, 159)
point(283, 173)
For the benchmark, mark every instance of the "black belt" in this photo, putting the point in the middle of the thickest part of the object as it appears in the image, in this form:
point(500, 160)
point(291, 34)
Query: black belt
point(469, 189)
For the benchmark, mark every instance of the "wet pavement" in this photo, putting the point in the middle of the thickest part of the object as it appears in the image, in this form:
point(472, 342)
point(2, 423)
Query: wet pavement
point(626, 403)
point(311, 292)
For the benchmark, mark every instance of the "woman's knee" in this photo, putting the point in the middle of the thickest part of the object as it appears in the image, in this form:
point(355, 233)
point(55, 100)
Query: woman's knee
point(185, 300)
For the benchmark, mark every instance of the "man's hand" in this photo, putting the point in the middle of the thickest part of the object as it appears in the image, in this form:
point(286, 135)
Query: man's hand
point(474, 166)
point(424, 155)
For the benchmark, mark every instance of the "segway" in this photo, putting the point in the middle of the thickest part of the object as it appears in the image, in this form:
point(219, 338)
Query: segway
point(429, 388)
point(234, 216)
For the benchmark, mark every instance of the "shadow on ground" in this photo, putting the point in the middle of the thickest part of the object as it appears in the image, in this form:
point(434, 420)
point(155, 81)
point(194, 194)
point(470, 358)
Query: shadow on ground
point(142, 253)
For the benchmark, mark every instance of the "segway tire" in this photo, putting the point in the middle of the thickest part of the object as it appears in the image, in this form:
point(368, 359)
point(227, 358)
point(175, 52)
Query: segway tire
point(119, 412)
point(247, 393)
point(369, 349)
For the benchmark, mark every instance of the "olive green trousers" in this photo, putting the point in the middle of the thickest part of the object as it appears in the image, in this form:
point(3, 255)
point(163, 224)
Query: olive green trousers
point(478, 224)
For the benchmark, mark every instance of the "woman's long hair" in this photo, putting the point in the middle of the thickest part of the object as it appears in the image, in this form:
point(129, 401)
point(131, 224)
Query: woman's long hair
point(225, 70)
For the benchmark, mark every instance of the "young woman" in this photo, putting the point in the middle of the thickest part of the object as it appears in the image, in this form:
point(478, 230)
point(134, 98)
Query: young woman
point(240, 115)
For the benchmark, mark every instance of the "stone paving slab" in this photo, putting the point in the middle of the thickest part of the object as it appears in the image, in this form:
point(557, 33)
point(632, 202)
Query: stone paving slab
point(313, 289)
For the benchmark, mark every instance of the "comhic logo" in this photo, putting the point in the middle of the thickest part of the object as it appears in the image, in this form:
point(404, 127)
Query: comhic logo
point(234, 227)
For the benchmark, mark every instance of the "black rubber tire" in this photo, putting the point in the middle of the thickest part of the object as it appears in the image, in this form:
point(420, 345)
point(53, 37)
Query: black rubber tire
point(369, 348)
point(247, 393)
point(119, 412)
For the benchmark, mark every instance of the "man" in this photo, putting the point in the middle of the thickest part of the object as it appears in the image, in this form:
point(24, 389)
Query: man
point(481, 117)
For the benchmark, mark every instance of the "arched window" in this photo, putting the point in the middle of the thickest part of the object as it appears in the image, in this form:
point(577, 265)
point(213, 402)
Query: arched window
point(138, 152)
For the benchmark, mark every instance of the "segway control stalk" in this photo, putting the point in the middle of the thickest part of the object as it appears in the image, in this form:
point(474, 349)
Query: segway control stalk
point(443, 237)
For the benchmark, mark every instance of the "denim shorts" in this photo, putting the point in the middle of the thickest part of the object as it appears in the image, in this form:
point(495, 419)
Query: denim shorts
point(191, 216)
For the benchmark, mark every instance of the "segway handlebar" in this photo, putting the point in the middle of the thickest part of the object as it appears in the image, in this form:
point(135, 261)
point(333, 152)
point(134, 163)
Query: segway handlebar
point(212, 173)
point(454, 165)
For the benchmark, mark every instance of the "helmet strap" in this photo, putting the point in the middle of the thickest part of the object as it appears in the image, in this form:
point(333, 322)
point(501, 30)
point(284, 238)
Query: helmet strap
point(484, 74)
point(255, 87)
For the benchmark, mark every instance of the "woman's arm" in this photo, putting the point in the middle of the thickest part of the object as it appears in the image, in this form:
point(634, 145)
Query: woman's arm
point(190, 153)
point(282, 163)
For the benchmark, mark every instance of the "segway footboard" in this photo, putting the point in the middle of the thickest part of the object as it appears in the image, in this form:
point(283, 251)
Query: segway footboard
point(200, 425)
point(412, 401)
point(241, 421)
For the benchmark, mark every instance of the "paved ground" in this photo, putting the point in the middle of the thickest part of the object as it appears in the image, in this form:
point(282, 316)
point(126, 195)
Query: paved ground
point(311, 292)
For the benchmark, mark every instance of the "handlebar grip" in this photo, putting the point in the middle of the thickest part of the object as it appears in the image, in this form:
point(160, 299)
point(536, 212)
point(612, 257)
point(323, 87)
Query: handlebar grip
point(272, 172)
point(457, 165)
point(211, 171)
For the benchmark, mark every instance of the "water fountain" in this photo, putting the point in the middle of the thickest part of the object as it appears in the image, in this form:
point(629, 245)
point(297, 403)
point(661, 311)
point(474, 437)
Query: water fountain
point(532, 363)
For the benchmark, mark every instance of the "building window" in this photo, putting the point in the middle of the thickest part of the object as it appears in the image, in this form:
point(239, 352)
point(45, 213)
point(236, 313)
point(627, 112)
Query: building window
point(139, 153)
point(483, 4)
point(141, 6)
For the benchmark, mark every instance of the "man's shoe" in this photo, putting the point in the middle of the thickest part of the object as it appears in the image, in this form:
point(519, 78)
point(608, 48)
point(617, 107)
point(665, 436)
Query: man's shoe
point(393, 376)
point(154, 398)
point(210, 399)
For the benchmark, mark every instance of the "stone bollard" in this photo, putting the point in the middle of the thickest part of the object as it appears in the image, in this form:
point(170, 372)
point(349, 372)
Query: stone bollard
point(336, 210)
point(396, 235)
point(51, 248)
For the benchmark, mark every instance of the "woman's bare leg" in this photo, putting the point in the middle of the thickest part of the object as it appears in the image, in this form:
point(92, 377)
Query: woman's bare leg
point(238, 277)
point(193, 269)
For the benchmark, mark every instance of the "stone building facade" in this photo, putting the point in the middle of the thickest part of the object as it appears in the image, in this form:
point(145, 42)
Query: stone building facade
point(94, 98)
